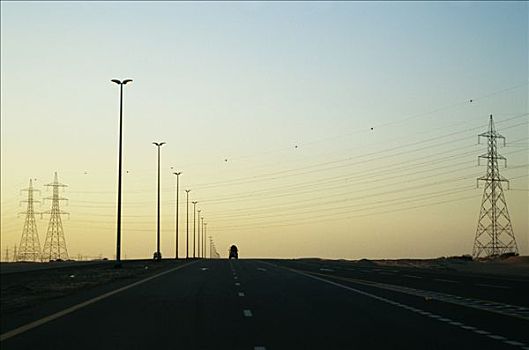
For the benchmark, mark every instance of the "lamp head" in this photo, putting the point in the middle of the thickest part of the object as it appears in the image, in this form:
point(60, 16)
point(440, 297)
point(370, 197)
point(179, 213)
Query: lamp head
point(121, 82)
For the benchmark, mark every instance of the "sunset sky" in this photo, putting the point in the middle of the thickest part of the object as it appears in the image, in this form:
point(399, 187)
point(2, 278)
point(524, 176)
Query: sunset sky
point(303, 129)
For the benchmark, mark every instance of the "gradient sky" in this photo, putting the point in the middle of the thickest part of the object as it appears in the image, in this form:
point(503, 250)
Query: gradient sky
point(287, 93)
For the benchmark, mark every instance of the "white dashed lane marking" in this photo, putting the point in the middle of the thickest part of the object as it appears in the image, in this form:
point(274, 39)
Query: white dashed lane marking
point(443, 280)
point(237, 284)
point(241, 294)
point(247, 313)
point(513, 342)
point(492, 286)
point(261, 269)
point(497, 337)
point(412, 276)
point(259, 348)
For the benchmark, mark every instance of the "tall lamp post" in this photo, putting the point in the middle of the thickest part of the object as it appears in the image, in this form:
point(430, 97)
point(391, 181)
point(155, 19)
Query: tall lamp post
point(205, 252)
point(194, 225)
point(187, 224)
point(177, 194)
point(198, 234)
point(158, 254)
point(203, 239)
point(118, 242)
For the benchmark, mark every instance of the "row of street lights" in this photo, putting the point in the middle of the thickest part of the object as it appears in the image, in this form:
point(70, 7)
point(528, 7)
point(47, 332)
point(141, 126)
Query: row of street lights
point(158, 255)
point(199, 231)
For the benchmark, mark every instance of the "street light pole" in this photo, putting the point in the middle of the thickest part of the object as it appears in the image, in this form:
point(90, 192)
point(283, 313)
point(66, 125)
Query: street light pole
point(205, 252)
point(177, 195)
point(187, 224)
point(198, 234)
point(118, 241)
point(158, 254)
point(194, 225)
point(201, 240)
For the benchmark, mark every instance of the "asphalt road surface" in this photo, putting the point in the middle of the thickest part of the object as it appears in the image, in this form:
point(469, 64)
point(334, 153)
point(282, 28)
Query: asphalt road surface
point(285, 304)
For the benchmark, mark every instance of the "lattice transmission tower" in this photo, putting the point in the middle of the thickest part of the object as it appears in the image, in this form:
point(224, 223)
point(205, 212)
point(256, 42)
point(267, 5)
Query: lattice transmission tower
point(29, 248)
point(213, 254)
point(494, 234)
point(55, 244)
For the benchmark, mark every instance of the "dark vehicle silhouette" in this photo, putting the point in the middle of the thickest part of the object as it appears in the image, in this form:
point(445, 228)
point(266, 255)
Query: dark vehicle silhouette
point(234, 252)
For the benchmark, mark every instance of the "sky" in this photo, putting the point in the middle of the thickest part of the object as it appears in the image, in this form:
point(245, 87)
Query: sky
point(303, 129)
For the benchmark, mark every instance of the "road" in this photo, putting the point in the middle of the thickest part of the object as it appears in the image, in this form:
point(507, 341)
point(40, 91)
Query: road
point(287, 304)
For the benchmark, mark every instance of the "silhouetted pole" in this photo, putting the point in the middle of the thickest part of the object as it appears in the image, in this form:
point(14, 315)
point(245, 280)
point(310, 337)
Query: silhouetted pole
point(205, 252)
point(198, 234)
point(202, 238)
point(158, 253)
point(194, 226)
point(177, 195)
point(187, 224)
point(118, 242)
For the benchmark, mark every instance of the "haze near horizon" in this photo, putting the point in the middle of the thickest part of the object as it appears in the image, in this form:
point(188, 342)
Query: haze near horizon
point(303, 129)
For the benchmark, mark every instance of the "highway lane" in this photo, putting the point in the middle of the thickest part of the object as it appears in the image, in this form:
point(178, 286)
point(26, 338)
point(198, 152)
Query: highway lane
point(273, 304)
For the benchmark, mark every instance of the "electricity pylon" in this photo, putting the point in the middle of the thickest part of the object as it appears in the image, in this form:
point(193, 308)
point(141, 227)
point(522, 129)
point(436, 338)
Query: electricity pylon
point(494, 234)
point(213, 254)
point(29, 248)
point(55, 244)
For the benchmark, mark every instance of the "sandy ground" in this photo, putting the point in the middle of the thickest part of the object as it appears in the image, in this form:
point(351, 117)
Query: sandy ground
point(13, 267)
point(512, 266)
point(20, 290)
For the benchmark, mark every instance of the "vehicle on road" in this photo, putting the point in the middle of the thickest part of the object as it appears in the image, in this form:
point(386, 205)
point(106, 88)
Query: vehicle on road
point(234, 252)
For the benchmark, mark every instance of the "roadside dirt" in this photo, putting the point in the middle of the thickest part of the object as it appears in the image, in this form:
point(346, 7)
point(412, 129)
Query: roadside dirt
point(512, 266)
point(27, 289)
